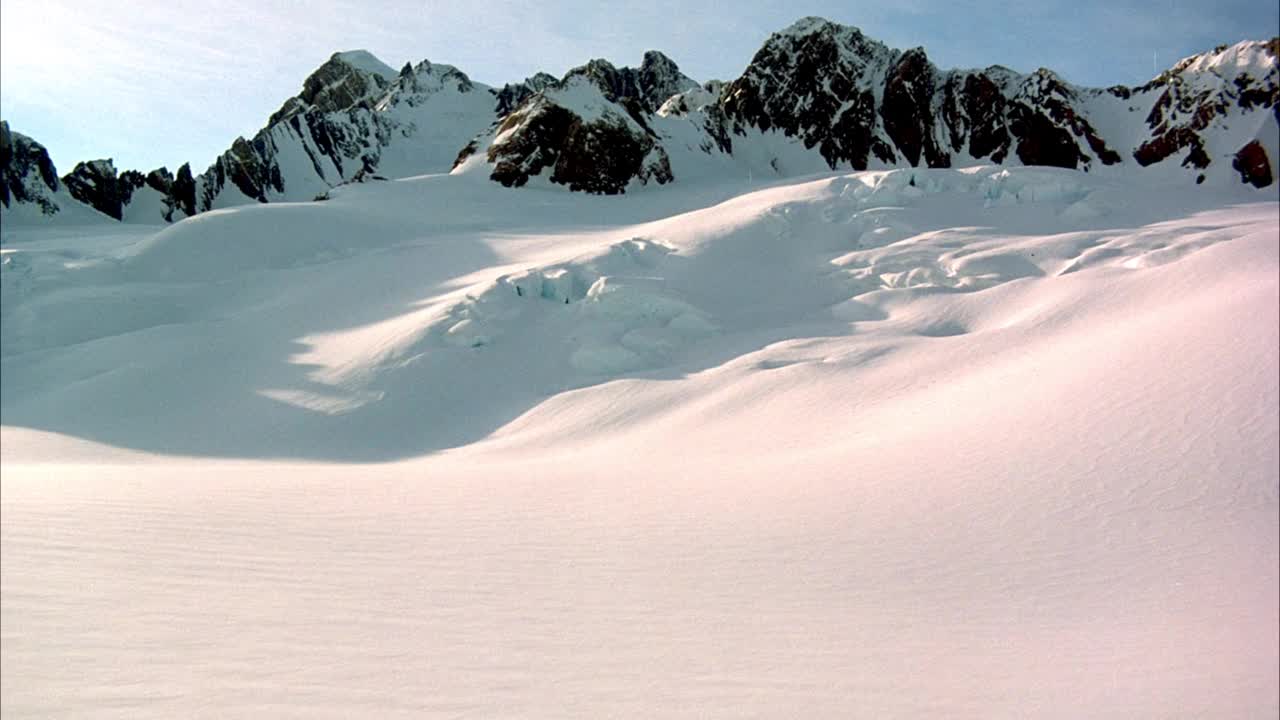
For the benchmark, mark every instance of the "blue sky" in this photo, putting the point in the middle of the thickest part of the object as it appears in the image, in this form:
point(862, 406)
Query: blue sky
point(159, 83)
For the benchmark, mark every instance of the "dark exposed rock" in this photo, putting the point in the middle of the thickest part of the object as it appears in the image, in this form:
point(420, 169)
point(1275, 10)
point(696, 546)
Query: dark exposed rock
point(657, 79)
point(132, 180)
point(1040, 142)
point(27, 175)
point(717, 127)
point(184, 192)
point(1187, 109)
point(1163, 146)
point(335, 85)
point(601, 156)
point(536, 147)
point(846, 98)
point(984, 107)
point(160, 180)
point(1253, 165)
point(851, 136)
point(1056, 105)
point(243, 165)
point(1256, 95)
point(804, 82)
point(908, 118)
point(95, 184)
point(513, 94)
point(467, 151)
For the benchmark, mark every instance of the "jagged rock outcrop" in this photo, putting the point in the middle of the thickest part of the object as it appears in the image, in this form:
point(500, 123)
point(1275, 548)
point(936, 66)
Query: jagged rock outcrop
point(183, 193)
point(96, 184)
point(1201, 92)
point(596, 146)
point(27, 174)
point(643, 89)
point(855, 99)
point(975, 114)
point(907, 109)
point(347, 80)
point(590, 131)
point(1254, 166)
point(814, 81)
point(513, 94)
point(854, 102)
point(354, 117)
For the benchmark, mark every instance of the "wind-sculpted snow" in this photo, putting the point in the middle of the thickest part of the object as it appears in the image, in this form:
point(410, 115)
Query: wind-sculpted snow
point(620, 314)
point(671, 296)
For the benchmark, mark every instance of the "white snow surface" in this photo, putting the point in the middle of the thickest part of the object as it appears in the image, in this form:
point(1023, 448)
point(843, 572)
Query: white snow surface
point(989, 442)
point(366, 61)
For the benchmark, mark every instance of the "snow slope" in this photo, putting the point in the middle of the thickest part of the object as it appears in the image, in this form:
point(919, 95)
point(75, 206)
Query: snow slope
point(990, 442)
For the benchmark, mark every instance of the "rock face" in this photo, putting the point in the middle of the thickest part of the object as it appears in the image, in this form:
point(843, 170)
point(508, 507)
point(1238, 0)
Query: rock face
point(347, 80)
point(646, 87)
point(590, 130)
point(27, 174)
point(1197, 96)
point(513, 94)
point(95, 184)
point(818, 89)
point(1253, 165)
point(857, 100)
point(354, 117)
point(813, 82)
point(907, 109)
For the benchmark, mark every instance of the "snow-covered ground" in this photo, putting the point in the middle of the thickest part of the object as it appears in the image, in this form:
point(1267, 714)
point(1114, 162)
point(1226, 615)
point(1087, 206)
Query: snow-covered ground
point(964, 443)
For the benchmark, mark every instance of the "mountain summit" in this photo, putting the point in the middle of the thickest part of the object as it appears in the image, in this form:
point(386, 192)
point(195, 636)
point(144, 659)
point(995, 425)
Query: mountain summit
point(816, 96)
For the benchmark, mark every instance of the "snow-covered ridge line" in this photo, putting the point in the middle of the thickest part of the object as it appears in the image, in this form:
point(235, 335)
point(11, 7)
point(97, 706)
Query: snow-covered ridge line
point(822, 96)
point(817, 96)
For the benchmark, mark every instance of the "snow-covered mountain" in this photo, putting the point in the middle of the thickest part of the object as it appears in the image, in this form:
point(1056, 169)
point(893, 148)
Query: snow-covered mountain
point(590, 131)
point(728, 445)
point(817, 96)
point(355, 118)
point(29, 177)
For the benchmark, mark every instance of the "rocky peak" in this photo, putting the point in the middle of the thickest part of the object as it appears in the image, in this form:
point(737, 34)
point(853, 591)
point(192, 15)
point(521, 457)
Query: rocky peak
point(413, 84)
point(907, 109)
point(1199, 92)
point(818, 81)
point(347, 79)
point(808, 25)
point(590, 132)
point(657, 79)
point(513, 94)
point(27, 175)
point(95, 184)
point(660, 78)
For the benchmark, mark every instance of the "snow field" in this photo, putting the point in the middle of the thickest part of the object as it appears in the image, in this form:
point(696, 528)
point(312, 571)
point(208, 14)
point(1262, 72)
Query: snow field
point(900, 443)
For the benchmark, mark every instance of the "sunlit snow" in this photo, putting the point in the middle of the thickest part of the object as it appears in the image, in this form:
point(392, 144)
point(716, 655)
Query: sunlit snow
point(991, 442)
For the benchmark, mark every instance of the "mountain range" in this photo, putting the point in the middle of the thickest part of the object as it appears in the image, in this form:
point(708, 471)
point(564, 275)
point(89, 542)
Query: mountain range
point(817, 96)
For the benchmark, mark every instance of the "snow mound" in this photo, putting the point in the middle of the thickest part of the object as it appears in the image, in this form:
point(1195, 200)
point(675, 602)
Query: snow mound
point(616, 320)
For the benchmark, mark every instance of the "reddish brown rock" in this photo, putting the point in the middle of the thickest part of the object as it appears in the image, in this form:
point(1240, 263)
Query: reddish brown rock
point(1253, 165)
